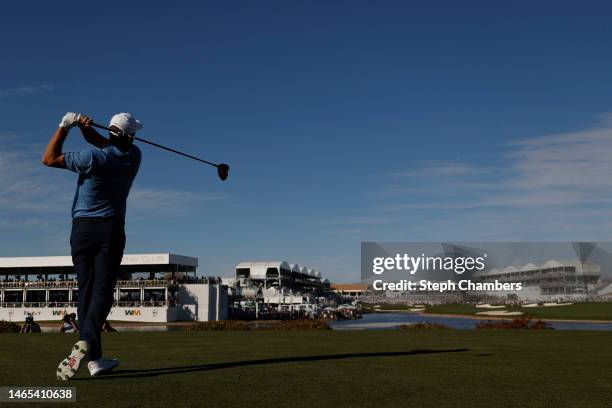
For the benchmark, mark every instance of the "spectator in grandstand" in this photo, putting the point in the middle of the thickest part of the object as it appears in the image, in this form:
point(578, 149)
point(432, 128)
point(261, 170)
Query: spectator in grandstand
point(30, 326)
point(107, 328)
point(97, 241)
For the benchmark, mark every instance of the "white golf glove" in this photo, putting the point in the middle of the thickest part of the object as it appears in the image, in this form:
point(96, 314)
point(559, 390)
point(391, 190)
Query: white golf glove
point(69, 120)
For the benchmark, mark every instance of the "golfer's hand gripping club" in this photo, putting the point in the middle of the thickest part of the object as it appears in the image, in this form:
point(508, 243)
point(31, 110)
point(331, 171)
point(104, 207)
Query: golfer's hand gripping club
point(69, 120)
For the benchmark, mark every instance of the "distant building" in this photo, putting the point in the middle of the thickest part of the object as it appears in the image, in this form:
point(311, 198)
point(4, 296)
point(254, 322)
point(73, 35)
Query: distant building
point(349, 289)
point(268, 287)
point(552, 279)
point(46, 287)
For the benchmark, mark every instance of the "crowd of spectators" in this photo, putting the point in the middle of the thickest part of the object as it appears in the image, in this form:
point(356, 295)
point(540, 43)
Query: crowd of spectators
point(39, 282)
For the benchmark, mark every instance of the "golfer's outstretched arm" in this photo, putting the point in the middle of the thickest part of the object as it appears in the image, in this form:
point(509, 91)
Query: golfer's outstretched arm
point(90, 134)
point(53, 156)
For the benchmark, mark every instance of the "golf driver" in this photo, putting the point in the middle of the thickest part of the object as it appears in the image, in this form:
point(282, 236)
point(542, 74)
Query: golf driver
point(222, 168)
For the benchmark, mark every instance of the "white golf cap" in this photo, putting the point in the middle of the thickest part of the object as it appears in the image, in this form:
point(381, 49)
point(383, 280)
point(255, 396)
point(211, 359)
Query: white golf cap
point(126, 122)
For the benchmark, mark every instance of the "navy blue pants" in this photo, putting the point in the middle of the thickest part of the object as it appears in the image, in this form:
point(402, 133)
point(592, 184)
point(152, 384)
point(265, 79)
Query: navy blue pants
point(97, 246)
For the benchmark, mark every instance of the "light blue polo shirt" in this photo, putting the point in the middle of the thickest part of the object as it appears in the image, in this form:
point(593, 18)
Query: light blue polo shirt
point(105, 179)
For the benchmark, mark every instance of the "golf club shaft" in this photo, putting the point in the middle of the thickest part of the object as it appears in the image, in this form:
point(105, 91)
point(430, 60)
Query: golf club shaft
point(160, 146)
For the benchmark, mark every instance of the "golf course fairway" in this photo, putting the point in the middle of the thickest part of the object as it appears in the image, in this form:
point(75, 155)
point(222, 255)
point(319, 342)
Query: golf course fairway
point(428, 368)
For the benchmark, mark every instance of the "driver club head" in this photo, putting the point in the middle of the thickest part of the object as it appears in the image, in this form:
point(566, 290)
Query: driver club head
point(223, 171)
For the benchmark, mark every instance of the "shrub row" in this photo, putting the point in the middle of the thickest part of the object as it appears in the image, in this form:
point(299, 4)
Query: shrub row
point(423, 325)
point(524, 323)
point(9, 327)
point(302, 324)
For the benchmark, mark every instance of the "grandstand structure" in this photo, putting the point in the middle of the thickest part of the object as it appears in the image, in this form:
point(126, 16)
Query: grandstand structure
point(276, 287)
point(546, 271)
point(349, 290)
point(552, 279)
point(46, 287)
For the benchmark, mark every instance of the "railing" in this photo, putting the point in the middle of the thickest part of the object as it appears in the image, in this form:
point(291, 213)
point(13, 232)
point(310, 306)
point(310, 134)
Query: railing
point(74, 284)
point(38, 304)
point(144, 303)
point(39, 285)
point(122, 283)
point(142, 283)
point(162, 283)
point(11, 304)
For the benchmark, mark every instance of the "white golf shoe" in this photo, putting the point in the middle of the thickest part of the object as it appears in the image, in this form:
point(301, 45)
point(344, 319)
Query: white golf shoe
point(70, 365)
point(101, 366)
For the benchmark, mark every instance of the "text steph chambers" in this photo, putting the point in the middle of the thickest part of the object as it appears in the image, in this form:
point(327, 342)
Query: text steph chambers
point(443, 286)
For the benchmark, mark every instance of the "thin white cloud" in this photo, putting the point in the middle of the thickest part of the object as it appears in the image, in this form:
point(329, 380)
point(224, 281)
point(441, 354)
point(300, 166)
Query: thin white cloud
point(441, 169)
point(554, 170)
point(26, 223)
point(365, 220)
point(25, 90)
point(169, 202)
point(7, 137)
point(550, 187)
point(25, 186)
point(30, 188)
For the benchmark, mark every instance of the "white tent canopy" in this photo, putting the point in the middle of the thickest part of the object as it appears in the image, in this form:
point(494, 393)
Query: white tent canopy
point(261, 269)
point(580, 268)
point(131, 262)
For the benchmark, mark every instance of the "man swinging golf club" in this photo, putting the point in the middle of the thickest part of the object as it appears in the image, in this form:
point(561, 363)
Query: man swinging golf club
point(97, 241)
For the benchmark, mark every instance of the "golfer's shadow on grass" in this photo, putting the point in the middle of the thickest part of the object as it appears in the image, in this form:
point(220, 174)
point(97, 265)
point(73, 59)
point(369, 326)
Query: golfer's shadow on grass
point(154, 372)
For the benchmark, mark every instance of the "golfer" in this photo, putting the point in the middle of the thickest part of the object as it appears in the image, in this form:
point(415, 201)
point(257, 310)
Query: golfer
point(97, 241)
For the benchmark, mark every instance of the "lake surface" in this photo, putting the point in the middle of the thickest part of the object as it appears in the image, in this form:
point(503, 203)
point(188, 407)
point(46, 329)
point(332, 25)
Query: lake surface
point(379, 321)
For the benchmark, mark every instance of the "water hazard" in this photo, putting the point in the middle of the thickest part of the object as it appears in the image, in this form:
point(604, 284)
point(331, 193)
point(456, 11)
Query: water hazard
point(378, 321)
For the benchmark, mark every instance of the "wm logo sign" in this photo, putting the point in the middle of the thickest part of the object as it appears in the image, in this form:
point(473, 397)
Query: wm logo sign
point(134, 312)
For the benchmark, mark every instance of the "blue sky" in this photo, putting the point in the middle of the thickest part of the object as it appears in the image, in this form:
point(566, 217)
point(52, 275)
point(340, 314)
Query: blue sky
point(342, 121)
